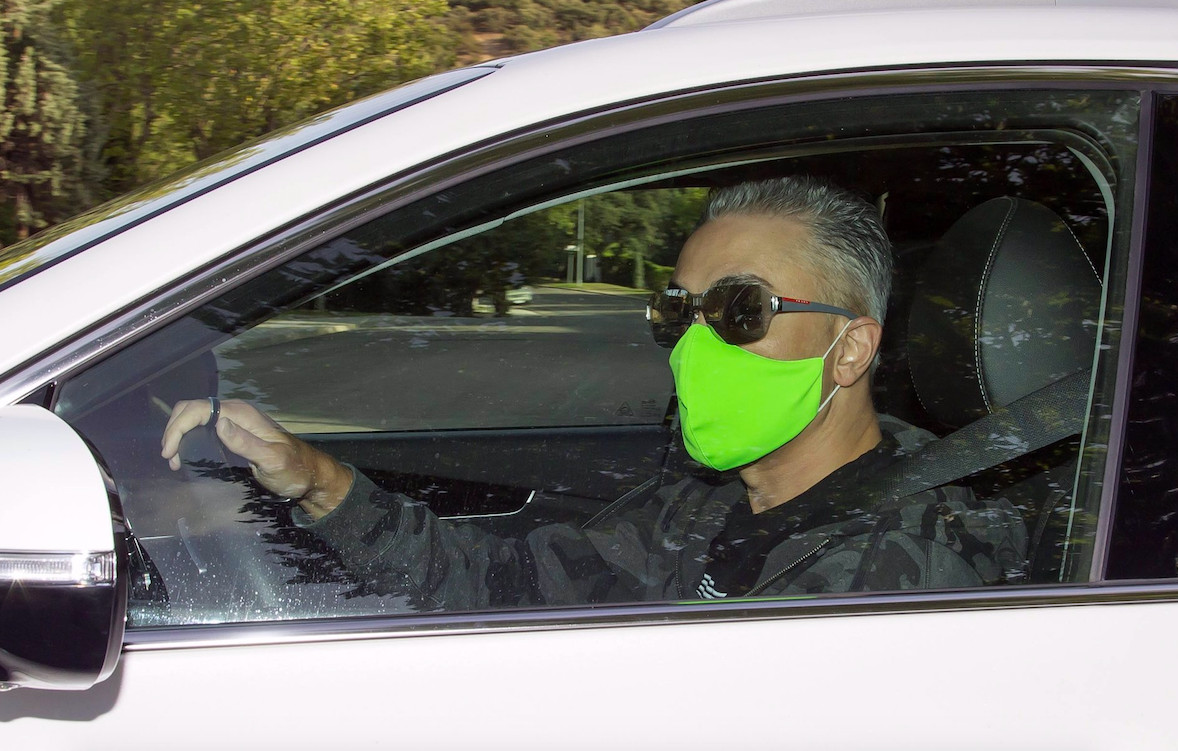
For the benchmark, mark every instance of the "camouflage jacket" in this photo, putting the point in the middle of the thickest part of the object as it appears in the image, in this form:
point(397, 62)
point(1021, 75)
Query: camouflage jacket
point(655, 546)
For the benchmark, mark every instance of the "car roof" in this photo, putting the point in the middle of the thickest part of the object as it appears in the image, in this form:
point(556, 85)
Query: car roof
point(720, 11)
point(543, 87)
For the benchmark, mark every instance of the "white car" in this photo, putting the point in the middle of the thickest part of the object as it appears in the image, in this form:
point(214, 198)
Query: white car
point(1025, 159)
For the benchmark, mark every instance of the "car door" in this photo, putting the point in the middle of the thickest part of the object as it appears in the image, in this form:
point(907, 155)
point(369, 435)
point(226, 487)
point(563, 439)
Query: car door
point(380, 331)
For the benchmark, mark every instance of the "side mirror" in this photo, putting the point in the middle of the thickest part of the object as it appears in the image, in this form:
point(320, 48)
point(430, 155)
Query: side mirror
point(63, 598)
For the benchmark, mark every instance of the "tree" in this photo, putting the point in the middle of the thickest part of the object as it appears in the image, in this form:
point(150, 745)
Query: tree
point(42, 123)
point(628, 230)
point(180, 81)
point(522, 25)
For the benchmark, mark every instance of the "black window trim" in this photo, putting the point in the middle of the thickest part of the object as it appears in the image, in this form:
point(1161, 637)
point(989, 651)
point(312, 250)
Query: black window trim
point(645, 614)
point(1122, 391)
point(1132, 323)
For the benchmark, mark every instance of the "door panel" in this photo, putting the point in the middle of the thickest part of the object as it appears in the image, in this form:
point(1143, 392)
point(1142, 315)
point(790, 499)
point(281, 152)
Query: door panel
point(1043, 677)
point(494, 471)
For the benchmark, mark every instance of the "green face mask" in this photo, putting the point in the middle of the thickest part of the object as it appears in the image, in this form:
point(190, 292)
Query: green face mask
point(736, 406)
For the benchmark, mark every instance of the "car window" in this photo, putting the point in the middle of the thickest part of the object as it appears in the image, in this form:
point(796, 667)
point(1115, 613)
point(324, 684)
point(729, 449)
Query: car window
point(479, 358)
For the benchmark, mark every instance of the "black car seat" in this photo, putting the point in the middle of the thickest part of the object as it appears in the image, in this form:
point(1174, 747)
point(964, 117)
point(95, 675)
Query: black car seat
point(1007, 305)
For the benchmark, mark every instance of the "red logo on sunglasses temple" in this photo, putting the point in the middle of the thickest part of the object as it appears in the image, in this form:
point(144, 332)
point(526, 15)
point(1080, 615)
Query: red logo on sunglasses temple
point(793, 299)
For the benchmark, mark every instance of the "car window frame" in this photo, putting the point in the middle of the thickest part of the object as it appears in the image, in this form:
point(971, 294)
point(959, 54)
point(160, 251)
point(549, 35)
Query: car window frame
point(402, 190)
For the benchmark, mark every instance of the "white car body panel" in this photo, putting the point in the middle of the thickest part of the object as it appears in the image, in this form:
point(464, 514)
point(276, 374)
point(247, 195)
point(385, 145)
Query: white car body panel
point(917, 681)
point(69, 297)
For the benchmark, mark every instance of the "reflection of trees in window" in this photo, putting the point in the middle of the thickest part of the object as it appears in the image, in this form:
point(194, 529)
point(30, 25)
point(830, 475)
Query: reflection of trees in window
point(1145, 534)
point(930, 188)
point(1047, 173)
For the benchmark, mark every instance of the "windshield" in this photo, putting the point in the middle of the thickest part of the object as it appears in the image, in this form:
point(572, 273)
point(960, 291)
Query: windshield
point(25, 258)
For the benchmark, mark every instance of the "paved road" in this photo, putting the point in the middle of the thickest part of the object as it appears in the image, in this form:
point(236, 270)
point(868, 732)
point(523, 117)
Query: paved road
point(568, 358)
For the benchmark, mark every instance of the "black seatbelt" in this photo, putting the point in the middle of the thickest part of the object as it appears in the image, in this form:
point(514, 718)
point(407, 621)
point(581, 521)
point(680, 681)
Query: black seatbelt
point(1027, 424)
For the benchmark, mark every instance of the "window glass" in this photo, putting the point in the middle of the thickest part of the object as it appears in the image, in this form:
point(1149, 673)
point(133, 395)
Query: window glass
point(1145, 535)
point(480, 362)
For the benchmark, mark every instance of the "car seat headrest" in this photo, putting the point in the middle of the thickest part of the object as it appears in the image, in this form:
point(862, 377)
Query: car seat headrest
point(1007, 303)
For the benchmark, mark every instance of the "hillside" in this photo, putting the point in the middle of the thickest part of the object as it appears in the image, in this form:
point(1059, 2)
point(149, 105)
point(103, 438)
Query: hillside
point(485, 30)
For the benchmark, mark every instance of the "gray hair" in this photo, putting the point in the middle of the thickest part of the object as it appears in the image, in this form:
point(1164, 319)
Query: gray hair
point(848, 249)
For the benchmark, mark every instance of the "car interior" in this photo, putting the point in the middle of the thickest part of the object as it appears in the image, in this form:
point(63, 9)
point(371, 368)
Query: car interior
point(1001, 242)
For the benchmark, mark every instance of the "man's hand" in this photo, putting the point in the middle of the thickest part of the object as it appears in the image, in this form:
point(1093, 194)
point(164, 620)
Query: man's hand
point(281, 463)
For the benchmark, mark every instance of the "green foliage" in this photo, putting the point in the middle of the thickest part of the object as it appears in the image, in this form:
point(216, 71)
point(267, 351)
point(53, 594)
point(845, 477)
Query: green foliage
point(179, 81)
point(103, 97)
point(635, 234)
point(524, 25)
point(42, 122)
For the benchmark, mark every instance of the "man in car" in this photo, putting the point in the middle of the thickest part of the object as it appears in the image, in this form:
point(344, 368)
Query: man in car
point(775, 400)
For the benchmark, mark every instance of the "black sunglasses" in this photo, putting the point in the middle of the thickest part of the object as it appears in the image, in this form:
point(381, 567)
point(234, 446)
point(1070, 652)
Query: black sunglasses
point(739, 312)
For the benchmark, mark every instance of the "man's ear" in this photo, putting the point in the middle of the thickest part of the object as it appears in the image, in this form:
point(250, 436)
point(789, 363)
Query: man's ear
point(856, 351)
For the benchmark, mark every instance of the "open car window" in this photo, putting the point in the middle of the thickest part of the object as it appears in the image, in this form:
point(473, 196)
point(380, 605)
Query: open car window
point(494, 330)
point(480, 357)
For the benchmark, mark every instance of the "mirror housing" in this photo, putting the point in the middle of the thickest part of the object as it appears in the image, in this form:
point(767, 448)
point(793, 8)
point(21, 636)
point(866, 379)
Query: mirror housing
point(63, 598)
